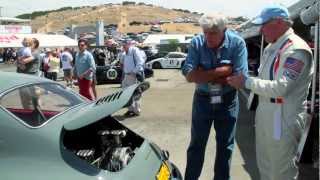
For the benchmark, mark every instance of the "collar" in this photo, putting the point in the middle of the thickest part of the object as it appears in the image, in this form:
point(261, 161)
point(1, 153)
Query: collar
point(82, 52)
point(226, 40)
point(284, 36)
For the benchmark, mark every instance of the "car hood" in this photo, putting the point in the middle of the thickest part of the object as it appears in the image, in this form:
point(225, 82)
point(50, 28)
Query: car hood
point(87, 114)
point(154, 60)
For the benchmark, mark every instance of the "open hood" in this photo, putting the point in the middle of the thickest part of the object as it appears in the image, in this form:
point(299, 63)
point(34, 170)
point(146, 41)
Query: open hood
point(105, 106)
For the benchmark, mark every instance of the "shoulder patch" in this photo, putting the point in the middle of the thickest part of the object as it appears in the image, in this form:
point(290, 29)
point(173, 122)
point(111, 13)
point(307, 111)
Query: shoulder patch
point(292, 68)
point(294, 65)
point(290, 74)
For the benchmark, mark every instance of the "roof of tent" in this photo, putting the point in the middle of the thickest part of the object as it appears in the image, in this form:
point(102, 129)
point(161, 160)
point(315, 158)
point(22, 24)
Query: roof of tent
point(16, 20)
point(248, 30)
point(158, 38)
point(46, 40)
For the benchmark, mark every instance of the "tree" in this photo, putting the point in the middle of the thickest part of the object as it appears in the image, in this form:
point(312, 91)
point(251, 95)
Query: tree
point(125, 3)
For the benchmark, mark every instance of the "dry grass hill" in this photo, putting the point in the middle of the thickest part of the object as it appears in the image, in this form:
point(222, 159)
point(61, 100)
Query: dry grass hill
point(116, 14)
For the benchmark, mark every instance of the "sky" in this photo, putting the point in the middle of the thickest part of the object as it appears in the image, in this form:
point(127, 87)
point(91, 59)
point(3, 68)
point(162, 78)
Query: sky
point(247, 8)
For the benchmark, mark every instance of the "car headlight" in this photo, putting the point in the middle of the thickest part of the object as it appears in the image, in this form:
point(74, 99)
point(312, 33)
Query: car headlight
point(164, 172)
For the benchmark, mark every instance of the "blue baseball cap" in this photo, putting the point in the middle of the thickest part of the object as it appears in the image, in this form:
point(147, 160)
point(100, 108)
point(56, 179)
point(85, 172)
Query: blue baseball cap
point(271, 12)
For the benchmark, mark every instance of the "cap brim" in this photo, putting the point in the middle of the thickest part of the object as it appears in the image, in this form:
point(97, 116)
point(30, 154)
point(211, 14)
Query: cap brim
point(257, 21)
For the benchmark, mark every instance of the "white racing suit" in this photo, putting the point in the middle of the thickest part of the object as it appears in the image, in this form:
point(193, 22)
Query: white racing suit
point(285, 74)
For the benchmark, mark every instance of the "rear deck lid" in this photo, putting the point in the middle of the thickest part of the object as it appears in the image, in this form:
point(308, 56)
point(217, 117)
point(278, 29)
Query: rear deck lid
point(105, 106)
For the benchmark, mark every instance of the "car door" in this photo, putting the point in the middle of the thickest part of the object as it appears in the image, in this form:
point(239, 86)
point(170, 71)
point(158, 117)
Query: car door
point(172, 60)
point(179, 59)
point(165, 61)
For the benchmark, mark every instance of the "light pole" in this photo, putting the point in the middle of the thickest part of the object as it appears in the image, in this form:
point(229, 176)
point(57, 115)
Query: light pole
point(0, 11)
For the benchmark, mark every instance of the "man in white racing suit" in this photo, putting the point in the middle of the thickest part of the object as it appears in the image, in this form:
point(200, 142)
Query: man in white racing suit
point(285, 74)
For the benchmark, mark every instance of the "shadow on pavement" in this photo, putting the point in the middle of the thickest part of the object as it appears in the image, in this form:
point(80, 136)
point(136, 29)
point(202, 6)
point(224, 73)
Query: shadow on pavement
point(120, 117)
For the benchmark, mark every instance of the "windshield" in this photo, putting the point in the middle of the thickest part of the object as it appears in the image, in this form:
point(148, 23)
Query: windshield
point(35, 104)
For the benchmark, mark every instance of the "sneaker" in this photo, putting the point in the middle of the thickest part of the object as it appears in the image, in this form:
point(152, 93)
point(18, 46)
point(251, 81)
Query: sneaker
point(131, 114)
point(128, 113)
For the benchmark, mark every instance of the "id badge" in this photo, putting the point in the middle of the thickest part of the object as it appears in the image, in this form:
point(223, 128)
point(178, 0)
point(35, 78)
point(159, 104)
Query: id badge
point(216, 100)
point(215, 93)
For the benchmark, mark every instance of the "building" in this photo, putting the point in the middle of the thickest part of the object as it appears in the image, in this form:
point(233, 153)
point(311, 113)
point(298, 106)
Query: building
point(10, 25)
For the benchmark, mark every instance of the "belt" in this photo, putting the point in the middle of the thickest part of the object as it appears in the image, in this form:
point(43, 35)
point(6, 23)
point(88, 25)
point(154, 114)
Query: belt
point(207, 94)
point(202, 93)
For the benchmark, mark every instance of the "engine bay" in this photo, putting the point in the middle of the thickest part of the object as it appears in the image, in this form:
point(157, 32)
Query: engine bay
point(105, 144)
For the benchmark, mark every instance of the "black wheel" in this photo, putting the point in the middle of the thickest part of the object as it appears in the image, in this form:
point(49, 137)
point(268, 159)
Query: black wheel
point(182, 63)
point(156, 65)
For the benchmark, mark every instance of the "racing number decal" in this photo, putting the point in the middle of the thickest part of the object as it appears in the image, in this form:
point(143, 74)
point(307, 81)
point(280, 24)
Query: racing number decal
point(112, 74)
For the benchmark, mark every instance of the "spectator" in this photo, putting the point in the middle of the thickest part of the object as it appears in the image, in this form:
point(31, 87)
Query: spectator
point(31, 63)
point(67, 63)
point(133, 63)
point(84, 70)
point(54, 66)
point(24, 52)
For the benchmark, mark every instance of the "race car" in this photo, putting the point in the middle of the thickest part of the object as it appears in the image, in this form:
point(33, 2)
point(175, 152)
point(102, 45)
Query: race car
point(112, 73)
point(171, 60)
point(48, 131)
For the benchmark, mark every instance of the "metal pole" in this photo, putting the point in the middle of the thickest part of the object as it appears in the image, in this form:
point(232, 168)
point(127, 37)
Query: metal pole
point(261, 47)
point(316, 59)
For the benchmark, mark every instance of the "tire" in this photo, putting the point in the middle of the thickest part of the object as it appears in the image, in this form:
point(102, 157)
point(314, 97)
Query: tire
point(176, 173)
point(156, 65)
point(182, 63)
point(112, 74)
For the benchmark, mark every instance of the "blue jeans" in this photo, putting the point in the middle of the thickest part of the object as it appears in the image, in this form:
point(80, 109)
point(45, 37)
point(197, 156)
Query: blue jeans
point(224, 117)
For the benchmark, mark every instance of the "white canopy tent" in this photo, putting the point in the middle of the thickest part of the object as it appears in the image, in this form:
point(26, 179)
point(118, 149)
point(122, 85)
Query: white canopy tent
point(46, 40)
point(156, 39)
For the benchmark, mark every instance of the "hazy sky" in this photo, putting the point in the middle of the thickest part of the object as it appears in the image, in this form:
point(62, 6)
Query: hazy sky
point(249, 8)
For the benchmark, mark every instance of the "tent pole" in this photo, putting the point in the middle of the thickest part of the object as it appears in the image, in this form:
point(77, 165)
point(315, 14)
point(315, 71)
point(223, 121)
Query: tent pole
point(316, 59)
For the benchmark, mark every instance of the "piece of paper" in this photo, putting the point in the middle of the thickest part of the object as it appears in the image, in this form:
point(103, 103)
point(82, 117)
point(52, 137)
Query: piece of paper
point(216, 99)
point(277, 124)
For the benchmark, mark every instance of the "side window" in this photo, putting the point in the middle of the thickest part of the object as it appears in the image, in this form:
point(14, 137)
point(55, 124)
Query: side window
point(180, 56)
point(36, 104)
point(171, 55)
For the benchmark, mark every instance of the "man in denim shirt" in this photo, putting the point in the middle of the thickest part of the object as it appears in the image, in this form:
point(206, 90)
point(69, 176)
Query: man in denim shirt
point(213, 56)
point(84, 70)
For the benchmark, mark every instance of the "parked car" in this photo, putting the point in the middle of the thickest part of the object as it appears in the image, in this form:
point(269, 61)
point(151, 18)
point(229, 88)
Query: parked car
point(47, 131)
point(171, 60)
point(150, 52)
point(112, 73)
point(156, 28)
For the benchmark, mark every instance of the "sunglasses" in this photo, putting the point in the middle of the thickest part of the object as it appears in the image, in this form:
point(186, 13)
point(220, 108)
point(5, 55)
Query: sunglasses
point(82, 45)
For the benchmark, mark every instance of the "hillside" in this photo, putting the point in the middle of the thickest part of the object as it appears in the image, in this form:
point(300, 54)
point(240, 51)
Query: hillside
point(117, 14)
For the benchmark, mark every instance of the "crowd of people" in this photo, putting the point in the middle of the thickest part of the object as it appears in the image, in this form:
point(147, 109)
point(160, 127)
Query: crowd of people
point(80, 66)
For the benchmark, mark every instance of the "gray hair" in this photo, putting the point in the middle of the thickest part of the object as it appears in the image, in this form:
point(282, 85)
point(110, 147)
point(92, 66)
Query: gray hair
point(213, 22)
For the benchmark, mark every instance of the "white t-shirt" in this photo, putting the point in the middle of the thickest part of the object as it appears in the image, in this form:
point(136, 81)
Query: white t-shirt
point(66, 59)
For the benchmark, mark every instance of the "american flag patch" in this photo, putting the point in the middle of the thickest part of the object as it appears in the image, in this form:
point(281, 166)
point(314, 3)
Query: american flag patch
point(293, 65)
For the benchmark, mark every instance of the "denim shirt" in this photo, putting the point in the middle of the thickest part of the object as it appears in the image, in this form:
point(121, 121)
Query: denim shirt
point(233, 50)
point(83, 62)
